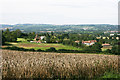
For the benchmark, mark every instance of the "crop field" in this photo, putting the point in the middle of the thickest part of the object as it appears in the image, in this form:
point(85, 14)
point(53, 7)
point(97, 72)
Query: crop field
point(42, 46)
point(20, 64)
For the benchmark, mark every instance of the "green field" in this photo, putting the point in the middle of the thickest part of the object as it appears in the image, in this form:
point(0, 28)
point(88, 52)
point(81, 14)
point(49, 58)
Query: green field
point(43, 46)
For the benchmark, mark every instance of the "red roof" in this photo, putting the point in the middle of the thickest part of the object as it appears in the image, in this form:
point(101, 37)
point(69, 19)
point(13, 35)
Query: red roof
point(90, 41)
point(77, 41)
point(105, 44)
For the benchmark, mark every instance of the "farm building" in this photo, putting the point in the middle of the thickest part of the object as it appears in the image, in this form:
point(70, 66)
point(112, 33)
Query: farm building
point(103, 37)
point(38, 39)
point(117, 38)
point(111, 34)
point(106, 45)
point(77, 42)
point(88, 43)
point(98, 37)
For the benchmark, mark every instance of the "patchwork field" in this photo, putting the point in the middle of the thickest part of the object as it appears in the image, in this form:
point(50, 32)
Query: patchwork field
point(42, 46)
point(20, 64)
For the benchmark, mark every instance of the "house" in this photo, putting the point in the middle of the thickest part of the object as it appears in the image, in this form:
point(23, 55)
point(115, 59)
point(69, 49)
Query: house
point(117, 38)
point(118, 34)
point(77, 42)
point(98, 37)
point(108, 38)
point(111, 34)
point(103, 37)
point(112, 37)
point(42, 37)
point(105, 45)
point(90, 42)
point(38, 39)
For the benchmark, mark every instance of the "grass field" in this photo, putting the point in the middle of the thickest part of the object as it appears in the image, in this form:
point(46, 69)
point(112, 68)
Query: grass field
point(43, 46)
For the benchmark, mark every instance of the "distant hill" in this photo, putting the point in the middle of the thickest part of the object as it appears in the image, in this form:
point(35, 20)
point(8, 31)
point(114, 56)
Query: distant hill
point(60, 28)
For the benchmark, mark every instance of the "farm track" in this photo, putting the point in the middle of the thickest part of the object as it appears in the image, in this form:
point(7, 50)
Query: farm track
point(20, 64)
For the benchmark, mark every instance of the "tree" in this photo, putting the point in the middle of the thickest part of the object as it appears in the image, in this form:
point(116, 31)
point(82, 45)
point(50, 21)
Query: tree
point(10, 36)
point(52, 49)
point(31, 36)
point(96, 47)
point(108, 51)
point(7, 35)
point(18, 33)
point(52, 33)
point(115, 50)
point(3, 38)
point(47, 39)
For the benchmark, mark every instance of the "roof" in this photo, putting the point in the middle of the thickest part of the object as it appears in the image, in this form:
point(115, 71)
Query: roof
point(39, 37)
point(77, 41)
point(105, 44)
point(90, 41)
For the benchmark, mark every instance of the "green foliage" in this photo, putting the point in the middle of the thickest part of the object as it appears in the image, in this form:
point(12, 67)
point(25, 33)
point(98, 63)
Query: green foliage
point(111, 75)
point(31, 36)
point(10, 36)
point(67, 39)
point(108, 51)
point(115, 50)
point(39, 50)
point(52, 49)
point(3, 38)
point(97, 47)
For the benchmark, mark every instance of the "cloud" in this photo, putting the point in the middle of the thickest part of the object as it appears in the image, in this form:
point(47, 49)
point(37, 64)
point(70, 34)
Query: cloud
point(59, 11)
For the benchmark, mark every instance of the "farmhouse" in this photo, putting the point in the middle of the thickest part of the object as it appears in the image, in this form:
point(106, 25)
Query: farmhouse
point(88, 43)
point(77, 42)
point(111, 34)
point(103, 37)
point(112, 37)
point(38, 39)
point(106, 45)
point(117, 38)
point(98, 37)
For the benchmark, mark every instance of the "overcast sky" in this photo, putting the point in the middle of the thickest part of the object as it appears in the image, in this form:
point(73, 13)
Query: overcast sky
point(59, 11)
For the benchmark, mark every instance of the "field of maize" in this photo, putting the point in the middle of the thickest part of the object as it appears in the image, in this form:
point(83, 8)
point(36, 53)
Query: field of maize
point(20, 64)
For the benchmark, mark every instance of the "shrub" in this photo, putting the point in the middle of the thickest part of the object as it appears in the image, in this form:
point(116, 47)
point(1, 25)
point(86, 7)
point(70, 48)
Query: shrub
point(52, 49)
point(21, 49)
point(108, 51)
point(31, 50)
point(14, 48)
point(39, 50)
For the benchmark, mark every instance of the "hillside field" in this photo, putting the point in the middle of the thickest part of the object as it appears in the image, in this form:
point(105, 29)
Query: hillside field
point(43, 46)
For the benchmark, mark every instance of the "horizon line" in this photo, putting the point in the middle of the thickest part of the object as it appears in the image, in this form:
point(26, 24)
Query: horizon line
point(62, 24)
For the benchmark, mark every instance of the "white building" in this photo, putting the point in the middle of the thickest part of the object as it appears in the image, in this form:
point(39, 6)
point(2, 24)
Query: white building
point(42, 37)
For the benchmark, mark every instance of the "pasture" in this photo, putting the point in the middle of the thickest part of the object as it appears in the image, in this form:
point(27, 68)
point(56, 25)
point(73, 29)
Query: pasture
point(43, 46)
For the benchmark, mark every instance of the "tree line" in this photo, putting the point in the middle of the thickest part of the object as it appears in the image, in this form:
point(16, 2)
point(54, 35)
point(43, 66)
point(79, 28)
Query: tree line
point(64, 38)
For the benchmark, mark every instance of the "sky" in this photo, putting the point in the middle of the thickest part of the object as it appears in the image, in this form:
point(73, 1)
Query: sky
point(59, 11)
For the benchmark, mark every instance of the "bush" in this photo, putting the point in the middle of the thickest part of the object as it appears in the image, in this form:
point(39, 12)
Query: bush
point(62, 50)
point(108, 51)
point(39, 50)
point(14, 48)
point(31, 50)
point(52, 49)
point(21, 49)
